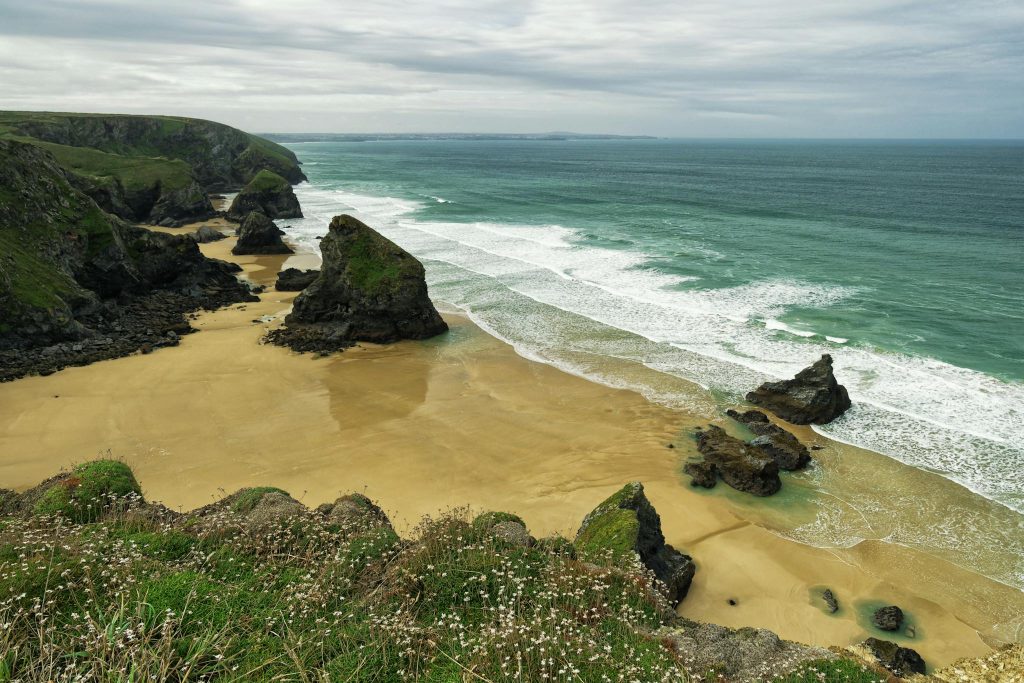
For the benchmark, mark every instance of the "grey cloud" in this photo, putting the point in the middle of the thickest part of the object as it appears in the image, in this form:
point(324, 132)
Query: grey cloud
point(867, 67)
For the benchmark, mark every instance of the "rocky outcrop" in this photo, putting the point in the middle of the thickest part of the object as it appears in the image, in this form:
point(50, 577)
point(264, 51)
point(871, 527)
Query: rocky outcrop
point(831, 602)
point(889, 618)
point(218, 156)
point(745, 655)
point(742, 466)
point(79, 285)
point(206, 234)
point(354, 513)
point(775, 441)
point(702, 473)
point(1005, 665)
point(812, 397)
point(627, 523)
point(369, 289)
point(259, 235)
point(176, 207)
point(295, 280)
point(267, 193)
point(901, 661)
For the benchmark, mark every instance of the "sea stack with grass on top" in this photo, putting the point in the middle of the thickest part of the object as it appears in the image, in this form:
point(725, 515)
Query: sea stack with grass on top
point(812, 397)
point(369, 289)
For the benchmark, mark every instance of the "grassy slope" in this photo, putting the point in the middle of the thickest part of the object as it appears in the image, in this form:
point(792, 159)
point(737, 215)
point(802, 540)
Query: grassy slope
point(253, 591)
point(140, 164)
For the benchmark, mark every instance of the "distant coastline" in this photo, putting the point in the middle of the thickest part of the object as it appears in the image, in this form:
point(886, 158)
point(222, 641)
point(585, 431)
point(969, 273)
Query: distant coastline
point(366, 137)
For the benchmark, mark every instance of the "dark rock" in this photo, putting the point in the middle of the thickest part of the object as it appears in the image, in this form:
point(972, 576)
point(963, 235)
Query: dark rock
point(295, 280)
point(743, 467)
point(732, 602)
point(812, 397)
point(775, 441)
point(266, 193)
point(259, 235)
point(369, 289)
point(100, 288)
point(703, 473)
point(830, 601)
point(207, 234)
point(628, 523)
point(888, 618)
point(901, 661)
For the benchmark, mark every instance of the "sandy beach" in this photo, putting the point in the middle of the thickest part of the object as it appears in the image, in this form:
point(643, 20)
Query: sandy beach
point(463, 420)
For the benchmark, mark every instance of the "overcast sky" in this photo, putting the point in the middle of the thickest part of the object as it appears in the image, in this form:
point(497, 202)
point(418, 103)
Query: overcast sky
point(691, 68)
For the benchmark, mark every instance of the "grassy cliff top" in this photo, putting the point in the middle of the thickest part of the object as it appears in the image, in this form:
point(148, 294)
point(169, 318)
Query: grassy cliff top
point(266, 181)
point(217, 155)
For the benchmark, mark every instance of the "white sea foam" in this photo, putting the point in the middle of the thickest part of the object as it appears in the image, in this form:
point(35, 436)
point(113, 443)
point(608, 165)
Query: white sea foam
point(958, 422)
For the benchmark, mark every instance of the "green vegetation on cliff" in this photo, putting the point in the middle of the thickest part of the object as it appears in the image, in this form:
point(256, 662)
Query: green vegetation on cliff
point(150, 168)
point(257, 587)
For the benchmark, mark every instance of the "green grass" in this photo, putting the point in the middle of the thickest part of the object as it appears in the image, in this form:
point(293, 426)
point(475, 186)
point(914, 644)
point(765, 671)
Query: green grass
point(833, 671)
point(91, 488)
point(266, 181)
point(370, 269)
point(248, 499)
point(133, 172)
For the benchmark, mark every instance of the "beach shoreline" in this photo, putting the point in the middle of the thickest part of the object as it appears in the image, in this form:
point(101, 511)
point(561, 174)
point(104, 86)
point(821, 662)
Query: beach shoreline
point(489, 429)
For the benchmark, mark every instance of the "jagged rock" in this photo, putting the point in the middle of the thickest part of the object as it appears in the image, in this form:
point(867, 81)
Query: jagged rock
point(177, 207)
point(745, 468)
point(1005, 665)
point(369, 289)
point(888, 618)
point(812, 397)
point(901, 661)
point(703, 473)
point(207, 234)
point(266, 193)
point(295, 280)
point(775, 441)
point(745, 655)
point(259, 235)
point(627, 523)
point(830, 601)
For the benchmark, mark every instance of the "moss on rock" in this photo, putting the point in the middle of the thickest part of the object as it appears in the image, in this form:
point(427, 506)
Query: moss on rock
point(90, 490)
point(246, 500)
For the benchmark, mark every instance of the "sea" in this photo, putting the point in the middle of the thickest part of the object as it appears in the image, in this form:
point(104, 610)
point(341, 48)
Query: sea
point(728, 263)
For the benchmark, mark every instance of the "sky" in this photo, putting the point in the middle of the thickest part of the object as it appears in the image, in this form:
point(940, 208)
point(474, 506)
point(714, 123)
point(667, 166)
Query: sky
point(683, 68)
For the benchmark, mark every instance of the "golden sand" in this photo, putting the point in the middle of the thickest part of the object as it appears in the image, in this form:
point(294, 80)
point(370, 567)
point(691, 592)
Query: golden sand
point(459, 420)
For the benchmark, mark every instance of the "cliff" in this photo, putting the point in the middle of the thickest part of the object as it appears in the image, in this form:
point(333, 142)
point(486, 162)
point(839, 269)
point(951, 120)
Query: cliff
point(69, 272)
point(155, 169)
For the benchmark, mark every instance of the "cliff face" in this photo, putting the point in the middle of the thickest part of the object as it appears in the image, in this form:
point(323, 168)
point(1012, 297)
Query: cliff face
point(220, 156)
point(64, 262)
point(151, 169)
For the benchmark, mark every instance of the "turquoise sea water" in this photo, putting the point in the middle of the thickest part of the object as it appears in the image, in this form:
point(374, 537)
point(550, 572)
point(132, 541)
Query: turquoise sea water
point(728, 263)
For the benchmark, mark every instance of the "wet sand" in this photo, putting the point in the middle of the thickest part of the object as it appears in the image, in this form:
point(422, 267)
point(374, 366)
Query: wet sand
point(459, 420)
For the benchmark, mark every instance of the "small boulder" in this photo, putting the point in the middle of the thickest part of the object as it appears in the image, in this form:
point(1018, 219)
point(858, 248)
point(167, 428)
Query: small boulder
point(627, 523)
point(259, 235)
point(206, 234)
point(295, 280)
point(775, 441)
point(355, 513)
point(830, 601)
point(888, 618)
point(901, 661)
point(703, 473)
point(812, 397)
point(266, 193)
point(745, 468)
